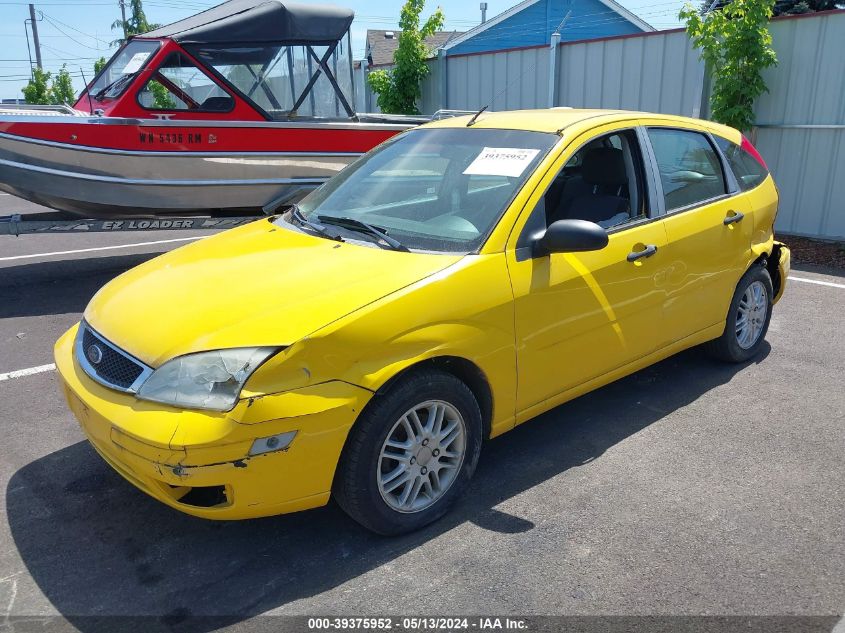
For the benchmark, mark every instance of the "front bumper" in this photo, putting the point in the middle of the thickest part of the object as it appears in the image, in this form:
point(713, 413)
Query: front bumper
point(198, 461)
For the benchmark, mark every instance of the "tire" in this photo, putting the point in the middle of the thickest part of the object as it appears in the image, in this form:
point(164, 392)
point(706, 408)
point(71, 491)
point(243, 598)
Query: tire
point(737, 343)
point(366, 484)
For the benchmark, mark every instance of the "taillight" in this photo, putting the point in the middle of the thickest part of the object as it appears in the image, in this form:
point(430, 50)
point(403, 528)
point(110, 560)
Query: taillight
point(748, 147)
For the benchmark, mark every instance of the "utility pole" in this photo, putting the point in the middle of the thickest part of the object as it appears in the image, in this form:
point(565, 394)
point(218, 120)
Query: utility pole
point(35, 37)
point(123, 15)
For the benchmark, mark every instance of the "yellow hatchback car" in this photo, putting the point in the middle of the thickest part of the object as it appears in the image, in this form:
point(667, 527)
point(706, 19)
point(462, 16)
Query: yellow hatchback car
point(458, 280)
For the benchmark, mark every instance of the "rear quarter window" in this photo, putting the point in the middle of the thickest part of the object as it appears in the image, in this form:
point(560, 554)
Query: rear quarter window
point(748, 171)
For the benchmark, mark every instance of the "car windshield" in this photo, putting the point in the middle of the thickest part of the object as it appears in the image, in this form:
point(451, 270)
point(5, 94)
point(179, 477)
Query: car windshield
point(126, 63)
point(439, 190)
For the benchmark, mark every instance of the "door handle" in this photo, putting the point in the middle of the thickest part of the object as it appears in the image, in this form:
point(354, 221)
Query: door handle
point(648, 251)
point(735, 216)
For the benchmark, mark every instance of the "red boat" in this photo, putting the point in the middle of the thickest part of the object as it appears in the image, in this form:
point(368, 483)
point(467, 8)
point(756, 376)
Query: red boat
point(242, 104)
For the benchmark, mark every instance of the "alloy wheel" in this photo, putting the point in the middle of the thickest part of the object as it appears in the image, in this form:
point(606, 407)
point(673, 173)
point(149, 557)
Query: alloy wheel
point(751, 315)
point(422, 456)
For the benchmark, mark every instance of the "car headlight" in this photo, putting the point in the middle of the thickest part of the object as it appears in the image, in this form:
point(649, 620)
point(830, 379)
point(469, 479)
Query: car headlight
point(206, 380)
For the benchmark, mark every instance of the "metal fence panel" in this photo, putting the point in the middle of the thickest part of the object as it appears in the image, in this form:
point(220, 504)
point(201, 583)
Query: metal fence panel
point(661, 72)
point(807, 88)
point(809, 168)
point(505, 80)
point(654, 72)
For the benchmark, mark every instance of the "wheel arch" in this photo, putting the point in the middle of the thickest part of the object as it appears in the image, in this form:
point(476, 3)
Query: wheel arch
point(770, 261)
point(464, 370)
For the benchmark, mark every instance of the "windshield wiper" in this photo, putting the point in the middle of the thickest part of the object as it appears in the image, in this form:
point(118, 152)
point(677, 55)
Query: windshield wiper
point(297, 214)
point(362, 227)
point(102, 93)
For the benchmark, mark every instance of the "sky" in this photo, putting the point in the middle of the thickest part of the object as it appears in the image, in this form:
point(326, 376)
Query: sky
point(77, 32)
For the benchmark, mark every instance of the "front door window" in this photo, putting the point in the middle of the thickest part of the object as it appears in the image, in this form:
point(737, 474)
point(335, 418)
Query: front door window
point(581, 315)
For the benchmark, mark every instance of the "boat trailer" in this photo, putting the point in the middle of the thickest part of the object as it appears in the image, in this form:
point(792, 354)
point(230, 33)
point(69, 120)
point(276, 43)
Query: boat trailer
point(58, 222)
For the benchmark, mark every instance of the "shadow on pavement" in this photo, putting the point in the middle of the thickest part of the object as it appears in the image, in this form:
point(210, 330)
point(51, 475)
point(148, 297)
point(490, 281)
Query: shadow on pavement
point(97, 547)
point(59, 287)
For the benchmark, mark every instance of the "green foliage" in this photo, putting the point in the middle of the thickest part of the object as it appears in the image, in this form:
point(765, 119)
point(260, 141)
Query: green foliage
point(135, 24)
point(61, 91)
point(736, 45)
point(782, 7)
point(99, 65)
point(37, 91)
point(795, 7)
point(398, 89)
point(161, 96)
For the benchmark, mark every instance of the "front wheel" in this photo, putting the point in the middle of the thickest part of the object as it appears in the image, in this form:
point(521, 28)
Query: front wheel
point(411, 454)
point(748, 318)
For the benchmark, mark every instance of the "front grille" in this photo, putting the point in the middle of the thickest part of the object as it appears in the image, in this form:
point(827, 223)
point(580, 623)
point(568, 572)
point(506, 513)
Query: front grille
point(105, 363)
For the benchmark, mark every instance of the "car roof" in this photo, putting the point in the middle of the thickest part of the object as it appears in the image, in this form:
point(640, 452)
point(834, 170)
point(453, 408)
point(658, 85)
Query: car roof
point(557, 119)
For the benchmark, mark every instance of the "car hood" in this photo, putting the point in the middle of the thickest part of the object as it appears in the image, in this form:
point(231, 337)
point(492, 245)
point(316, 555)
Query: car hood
point(256, 285)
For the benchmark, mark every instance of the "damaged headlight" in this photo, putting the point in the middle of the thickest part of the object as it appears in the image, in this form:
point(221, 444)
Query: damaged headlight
point(207, 380)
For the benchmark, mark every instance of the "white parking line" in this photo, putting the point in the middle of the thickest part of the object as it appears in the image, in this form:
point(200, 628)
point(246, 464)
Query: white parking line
point(817, 282)
point(100, 248)
point(29, 371)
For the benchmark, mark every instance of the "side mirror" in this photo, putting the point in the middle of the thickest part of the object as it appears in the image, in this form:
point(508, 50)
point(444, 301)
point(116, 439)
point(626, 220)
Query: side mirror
point(571, 236)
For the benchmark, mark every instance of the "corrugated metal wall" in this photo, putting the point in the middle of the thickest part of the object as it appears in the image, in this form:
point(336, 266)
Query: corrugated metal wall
point(807, 88)
point(507, 80)
point(660, 72)
point(657, 72)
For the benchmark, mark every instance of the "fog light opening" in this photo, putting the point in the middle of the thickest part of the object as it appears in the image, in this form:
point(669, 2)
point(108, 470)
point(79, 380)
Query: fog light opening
point(205, 496)
point(278, 442)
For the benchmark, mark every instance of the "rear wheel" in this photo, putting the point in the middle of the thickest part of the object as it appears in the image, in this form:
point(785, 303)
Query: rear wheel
point(748, 318)
point(411, 454)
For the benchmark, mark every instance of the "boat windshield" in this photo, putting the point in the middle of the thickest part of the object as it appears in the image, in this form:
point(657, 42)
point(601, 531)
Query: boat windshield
point(440, 190)
point(119, 72)
point(286, 81)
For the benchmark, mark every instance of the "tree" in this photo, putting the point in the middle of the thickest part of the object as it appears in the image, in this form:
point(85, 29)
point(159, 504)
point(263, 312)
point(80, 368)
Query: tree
point(398, 89)
point(99, 65)
point(794, 7)
point(736, 44)
point(37, 91)
point(782, 7)
point(136, 23)
point(162, 99)
point(61, 90)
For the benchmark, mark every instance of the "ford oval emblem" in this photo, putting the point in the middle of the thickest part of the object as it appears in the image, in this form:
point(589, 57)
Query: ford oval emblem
point(94, 354)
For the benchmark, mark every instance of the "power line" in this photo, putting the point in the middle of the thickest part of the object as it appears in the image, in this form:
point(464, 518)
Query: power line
point(70, 37)
point(52, 18)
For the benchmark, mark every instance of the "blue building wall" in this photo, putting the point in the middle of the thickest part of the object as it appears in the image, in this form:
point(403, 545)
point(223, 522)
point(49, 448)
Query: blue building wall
point(535, 24)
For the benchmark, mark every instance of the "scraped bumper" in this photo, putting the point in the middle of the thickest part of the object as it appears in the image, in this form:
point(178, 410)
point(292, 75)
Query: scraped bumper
point(199, 462)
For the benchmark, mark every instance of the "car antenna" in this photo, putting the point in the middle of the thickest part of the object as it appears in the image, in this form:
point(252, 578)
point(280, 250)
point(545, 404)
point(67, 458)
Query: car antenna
point(87, 91)
point(476, 115)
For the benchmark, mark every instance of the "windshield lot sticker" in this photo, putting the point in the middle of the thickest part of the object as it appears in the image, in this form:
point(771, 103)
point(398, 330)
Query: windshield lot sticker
point(501, 161)
point(135, 63)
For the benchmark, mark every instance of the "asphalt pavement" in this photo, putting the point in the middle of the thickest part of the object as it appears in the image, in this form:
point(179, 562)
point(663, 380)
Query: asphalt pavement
point(690, 488)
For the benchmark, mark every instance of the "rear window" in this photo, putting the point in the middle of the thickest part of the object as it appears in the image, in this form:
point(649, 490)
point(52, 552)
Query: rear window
point(748, 171)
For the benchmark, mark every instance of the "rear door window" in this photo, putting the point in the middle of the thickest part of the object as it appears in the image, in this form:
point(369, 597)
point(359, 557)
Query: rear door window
point(748, 171)
point(690, 169)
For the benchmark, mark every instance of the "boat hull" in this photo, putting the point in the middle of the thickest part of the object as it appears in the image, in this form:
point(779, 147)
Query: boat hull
point(131, 168)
